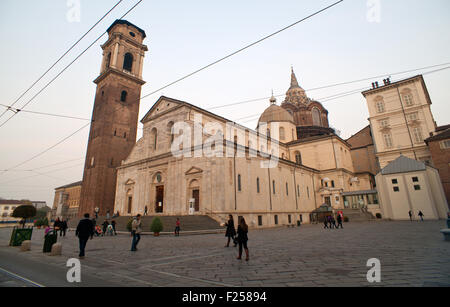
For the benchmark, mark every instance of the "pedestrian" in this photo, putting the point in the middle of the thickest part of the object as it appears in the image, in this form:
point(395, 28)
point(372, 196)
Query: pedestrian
point(63, 228)
point(177, 227)
point(410, 215)
point(57, 225)
point(333, 222)
point(136, 229)
point(105, 226)
point(339, 220)
point(242, 238)
point(231, 231)
point(113, 224)
point(145, 210)
point(84, 230)
point(325, 223)
point(421, 215)
point(329, 222)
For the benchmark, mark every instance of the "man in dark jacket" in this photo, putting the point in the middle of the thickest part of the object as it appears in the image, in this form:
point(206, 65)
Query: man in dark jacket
point(85, 229)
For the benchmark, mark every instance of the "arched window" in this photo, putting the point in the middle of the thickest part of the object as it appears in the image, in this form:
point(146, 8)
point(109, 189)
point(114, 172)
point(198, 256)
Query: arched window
point(316, 117)
point(128, 62)
point(298, 158)
point(123, 96)
point(287, 189)
point(257, 185)
point(273, 186)
point(282, 134)
point(154, 138)
point(239, 183)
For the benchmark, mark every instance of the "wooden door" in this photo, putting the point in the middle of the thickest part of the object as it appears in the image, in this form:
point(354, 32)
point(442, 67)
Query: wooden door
point(159, 199)
point(130, 204)
point(196, 196)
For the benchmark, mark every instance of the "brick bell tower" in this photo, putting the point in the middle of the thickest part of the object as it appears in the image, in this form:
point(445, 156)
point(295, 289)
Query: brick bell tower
point(115, 115)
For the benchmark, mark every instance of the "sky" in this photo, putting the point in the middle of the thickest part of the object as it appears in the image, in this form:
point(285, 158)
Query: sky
point(354, 40)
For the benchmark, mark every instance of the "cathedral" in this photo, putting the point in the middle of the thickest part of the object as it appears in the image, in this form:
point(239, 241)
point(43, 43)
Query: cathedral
point(313, 173)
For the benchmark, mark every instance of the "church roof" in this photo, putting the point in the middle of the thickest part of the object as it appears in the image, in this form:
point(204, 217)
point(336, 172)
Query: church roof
point(125, 22)
point(78, 183)
point(275, 113)
point(403, 165)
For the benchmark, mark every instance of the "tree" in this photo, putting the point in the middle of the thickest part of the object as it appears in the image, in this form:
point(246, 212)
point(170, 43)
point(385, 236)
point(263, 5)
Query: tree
point(24, 212)
point(157, 225)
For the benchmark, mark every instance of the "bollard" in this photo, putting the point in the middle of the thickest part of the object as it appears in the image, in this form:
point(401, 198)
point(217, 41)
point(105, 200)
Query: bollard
point(56, 249)
point(26, 246)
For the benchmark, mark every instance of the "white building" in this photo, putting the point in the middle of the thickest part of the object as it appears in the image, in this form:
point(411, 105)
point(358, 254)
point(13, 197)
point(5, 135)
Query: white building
point(406, 185)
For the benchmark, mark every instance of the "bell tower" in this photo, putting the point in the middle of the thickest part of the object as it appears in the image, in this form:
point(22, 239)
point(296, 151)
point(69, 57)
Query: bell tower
point(115, 115)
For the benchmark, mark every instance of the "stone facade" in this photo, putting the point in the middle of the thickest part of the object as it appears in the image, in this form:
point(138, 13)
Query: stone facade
point(401, 120)
point(363, 152)
point(115, 115)
point(309, 172)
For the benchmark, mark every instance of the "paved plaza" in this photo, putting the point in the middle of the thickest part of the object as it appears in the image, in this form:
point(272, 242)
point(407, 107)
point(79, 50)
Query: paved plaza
point(411, 254)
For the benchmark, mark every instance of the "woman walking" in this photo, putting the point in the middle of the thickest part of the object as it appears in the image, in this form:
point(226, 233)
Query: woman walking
point(231, 231)
point(242, 238)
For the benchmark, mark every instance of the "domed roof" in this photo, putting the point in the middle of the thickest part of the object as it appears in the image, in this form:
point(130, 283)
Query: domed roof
point(275, 113)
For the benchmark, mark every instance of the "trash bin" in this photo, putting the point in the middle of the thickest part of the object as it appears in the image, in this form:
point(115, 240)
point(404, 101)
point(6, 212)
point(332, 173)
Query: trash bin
point(50, 239)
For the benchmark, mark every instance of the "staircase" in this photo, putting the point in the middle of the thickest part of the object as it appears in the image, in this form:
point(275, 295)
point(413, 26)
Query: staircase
point(188, 223)
point(358, 215)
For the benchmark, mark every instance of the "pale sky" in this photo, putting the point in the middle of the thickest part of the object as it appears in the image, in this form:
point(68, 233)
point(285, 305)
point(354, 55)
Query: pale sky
point(336, 46)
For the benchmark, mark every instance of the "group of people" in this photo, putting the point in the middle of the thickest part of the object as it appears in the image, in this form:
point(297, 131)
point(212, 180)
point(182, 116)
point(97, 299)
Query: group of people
point(241, 238)
point(420, 214)
point(61, 226)
point(329, 222)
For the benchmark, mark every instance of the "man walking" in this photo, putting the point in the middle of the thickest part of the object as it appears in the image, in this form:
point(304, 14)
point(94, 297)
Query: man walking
point(136, 229)
point(85, 229)
point(410, 215)
point(145, 210)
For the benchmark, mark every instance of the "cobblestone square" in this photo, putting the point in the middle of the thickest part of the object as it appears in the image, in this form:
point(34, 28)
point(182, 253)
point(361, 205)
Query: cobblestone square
point(411, 254)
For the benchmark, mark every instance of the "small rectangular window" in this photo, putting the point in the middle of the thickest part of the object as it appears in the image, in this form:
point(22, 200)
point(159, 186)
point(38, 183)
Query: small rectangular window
point(396, 189)
point(415, 179)
point(260, 222)
point(417, 187)
point(394, 181)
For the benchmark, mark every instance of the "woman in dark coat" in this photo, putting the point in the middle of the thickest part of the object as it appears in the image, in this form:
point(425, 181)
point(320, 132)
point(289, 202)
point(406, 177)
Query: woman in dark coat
point(242, 238)
point(231, 231)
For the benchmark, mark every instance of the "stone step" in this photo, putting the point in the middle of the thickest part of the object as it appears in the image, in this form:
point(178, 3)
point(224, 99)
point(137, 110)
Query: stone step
point(188, 223)
point(356, 215)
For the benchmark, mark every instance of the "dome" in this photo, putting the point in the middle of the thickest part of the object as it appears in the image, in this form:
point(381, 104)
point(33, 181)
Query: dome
point(275, 113)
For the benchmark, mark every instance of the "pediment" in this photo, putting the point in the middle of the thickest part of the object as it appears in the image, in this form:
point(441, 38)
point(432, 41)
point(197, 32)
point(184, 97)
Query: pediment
point(194, 170)
point(130, 182)
point(162, 106)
